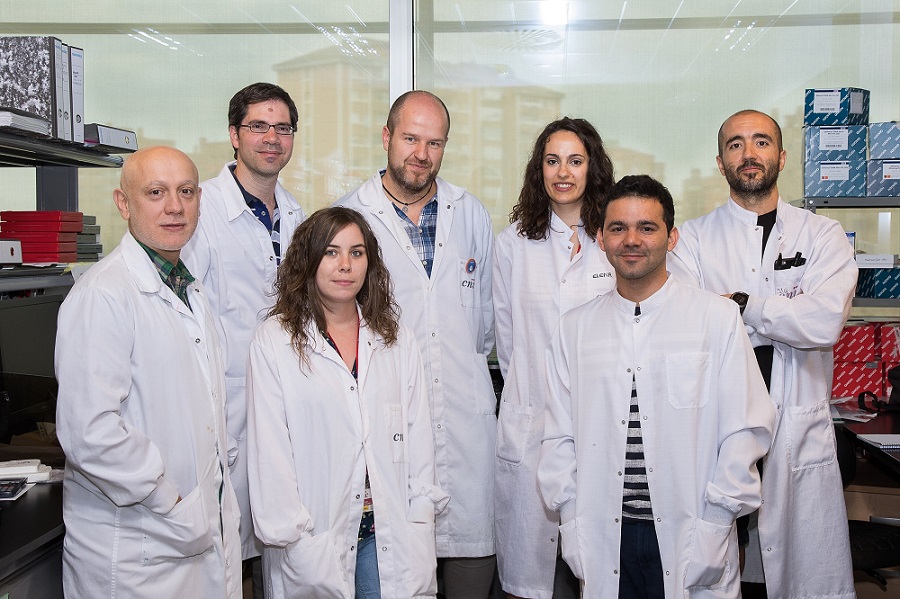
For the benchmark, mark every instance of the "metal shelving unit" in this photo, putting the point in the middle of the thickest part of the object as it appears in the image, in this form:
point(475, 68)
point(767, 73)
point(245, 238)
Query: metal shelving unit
point(56, 165)
point(812, 204)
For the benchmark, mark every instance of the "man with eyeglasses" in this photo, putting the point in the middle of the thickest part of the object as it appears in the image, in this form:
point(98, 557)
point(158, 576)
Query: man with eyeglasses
point(246, 222)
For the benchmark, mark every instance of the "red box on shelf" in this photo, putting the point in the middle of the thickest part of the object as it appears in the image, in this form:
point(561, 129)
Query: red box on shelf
point(852, 378)
point(858, 343)
point(885, 366)
point(40, 215)
point(890, 342)
point(40, 236)
point(18, 226)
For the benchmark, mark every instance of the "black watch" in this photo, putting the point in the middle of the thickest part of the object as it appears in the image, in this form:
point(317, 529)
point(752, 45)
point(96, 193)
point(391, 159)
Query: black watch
point(740, 298)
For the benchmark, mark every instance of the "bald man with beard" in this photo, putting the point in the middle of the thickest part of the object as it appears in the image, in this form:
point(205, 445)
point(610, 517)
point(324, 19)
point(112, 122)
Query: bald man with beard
point(148, 505)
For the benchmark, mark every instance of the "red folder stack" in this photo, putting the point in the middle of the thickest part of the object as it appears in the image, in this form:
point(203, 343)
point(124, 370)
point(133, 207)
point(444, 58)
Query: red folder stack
point(46, 235)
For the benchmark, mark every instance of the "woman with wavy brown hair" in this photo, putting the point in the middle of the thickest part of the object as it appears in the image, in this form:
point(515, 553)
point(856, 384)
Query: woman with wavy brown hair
point(545, 263)
point(339, 430)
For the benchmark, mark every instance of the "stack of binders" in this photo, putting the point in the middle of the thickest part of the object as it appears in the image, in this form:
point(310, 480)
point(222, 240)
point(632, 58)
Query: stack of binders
point(89, 247)
point(47, 236)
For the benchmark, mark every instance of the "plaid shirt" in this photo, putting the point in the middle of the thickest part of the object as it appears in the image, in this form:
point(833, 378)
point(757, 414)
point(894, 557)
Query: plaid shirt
point(422, 235)
point(175, 276)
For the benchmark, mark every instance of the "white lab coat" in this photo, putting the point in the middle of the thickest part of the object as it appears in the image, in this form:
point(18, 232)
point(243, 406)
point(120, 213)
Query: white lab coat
point(313, 433)
point(800, 311)
point(141, 417)
point(535, 282)
point(705, 420)
point(231, 254)
point(452, 317)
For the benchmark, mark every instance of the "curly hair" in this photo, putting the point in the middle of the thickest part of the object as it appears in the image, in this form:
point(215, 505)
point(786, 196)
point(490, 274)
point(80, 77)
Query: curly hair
point(532, 210)
point(298, 301)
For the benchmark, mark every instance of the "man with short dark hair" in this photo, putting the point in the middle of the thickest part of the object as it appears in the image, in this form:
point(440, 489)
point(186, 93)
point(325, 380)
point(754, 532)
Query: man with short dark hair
point(246, 222)
point(655, 416)
point(793, 274)
point(148, 504)
point(437, 242)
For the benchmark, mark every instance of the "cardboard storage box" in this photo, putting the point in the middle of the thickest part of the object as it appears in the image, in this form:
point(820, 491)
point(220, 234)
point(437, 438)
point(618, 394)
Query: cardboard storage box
point(884, 140)
point(843, 106)
point(846, 142)
point(889, 341)
point(835, 179)
point(879, 283)
point(859, 342)
point(883, 178)
point(852, 378)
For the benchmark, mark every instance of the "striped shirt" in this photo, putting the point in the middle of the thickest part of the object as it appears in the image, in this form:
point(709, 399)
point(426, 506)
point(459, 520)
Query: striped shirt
point(636, 494)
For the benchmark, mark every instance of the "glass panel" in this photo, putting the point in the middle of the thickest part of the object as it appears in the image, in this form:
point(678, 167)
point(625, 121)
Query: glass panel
point(167, 69)
point(656, 79)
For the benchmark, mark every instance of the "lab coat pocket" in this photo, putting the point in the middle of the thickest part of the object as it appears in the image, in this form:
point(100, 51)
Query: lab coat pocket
point(422, 564)
point(811, 436)
point(468, 295)
point(311, 568)
point(787, 281)
point(688, 375)
point(569, 547)
point(710, 563)
point(514, 431)
point(393, 413)
point(185, 531)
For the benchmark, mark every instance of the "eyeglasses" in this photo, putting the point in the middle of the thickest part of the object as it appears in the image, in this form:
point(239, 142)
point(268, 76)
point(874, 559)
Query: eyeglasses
point(260, 127)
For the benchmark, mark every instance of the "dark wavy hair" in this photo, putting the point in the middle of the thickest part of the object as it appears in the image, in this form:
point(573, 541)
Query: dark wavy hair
point(297, 298)
point(532, 211)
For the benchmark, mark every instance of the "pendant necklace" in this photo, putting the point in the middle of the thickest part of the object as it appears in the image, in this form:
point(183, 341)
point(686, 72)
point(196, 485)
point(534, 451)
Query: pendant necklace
point(406, 205)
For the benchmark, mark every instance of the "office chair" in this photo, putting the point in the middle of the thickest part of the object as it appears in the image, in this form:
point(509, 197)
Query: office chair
point(873, 545)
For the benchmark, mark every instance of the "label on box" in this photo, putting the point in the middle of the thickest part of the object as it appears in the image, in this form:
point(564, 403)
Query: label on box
point(837, 138)
point(827, 100)
point(875, 260)
point(856, 102)
point(834, 171)
point(890, 170)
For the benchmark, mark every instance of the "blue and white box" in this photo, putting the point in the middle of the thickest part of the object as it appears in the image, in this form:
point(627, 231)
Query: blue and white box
point(883, 178)
point(884, 141)
point(843, 142)
point(842, 106)
point(835, 179)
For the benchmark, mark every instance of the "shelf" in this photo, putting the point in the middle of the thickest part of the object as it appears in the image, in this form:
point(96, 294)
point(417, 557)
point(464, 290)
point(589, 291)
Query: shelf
point(814, 204)
point(17, 150)
point(871, 302)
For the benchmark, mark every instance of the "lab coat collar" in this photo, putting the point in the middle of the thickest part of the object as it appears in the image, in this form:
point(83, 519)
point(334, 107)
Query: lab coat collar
point(234, 202)
point(146, 277)
point(651, 303)
point(748, 217)
point(374, 196)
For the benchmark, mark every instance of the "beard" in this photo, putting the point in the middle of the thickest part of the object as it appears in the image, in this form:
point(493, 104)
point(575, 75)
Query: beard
point(757, 186)
point(410, 184)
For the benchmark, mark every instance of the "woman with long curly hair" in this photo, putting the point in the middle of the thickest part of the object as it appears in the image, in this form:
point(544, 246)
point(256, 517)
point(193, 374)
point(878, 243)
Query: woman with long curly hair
point(339, 431)
point(545, 263)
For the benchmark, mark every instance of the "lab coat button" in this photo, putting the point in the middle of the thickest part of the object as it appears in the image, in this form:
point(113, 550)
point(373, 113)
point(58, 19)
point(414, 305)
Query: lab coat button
point(638, 368)
point(619, 473)
point(644, 416)
point(659, 519)
point(616, 519)
point(439, 426)
point(623, 422)
point(352, 388)
point(637, 320)
point(384, 548)
point(768, 549)
point(271, 258)
point(435, 380)
point(440, 245)
point(627, 370)
point(357, 495)
point(667, 572)
point(615, 571)
point(197, 340)
point(563, 280)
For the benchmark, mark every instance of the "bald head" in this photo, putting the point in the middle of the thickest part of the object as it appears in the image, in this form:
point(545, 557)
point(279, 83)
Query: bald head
point(417, 100)
point(159, 196)
point(746, 113)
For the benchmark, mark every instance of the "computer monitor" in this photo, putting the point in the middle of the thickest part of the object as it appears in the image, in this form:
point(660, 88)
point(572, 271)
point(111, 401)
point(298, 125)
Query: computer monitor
point(27, 383)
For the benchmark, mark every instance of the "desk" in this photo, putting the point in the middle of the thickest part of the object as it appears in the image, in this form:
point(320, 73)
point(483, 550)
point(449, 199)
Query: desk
point(887, 423)
point(31, 533)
